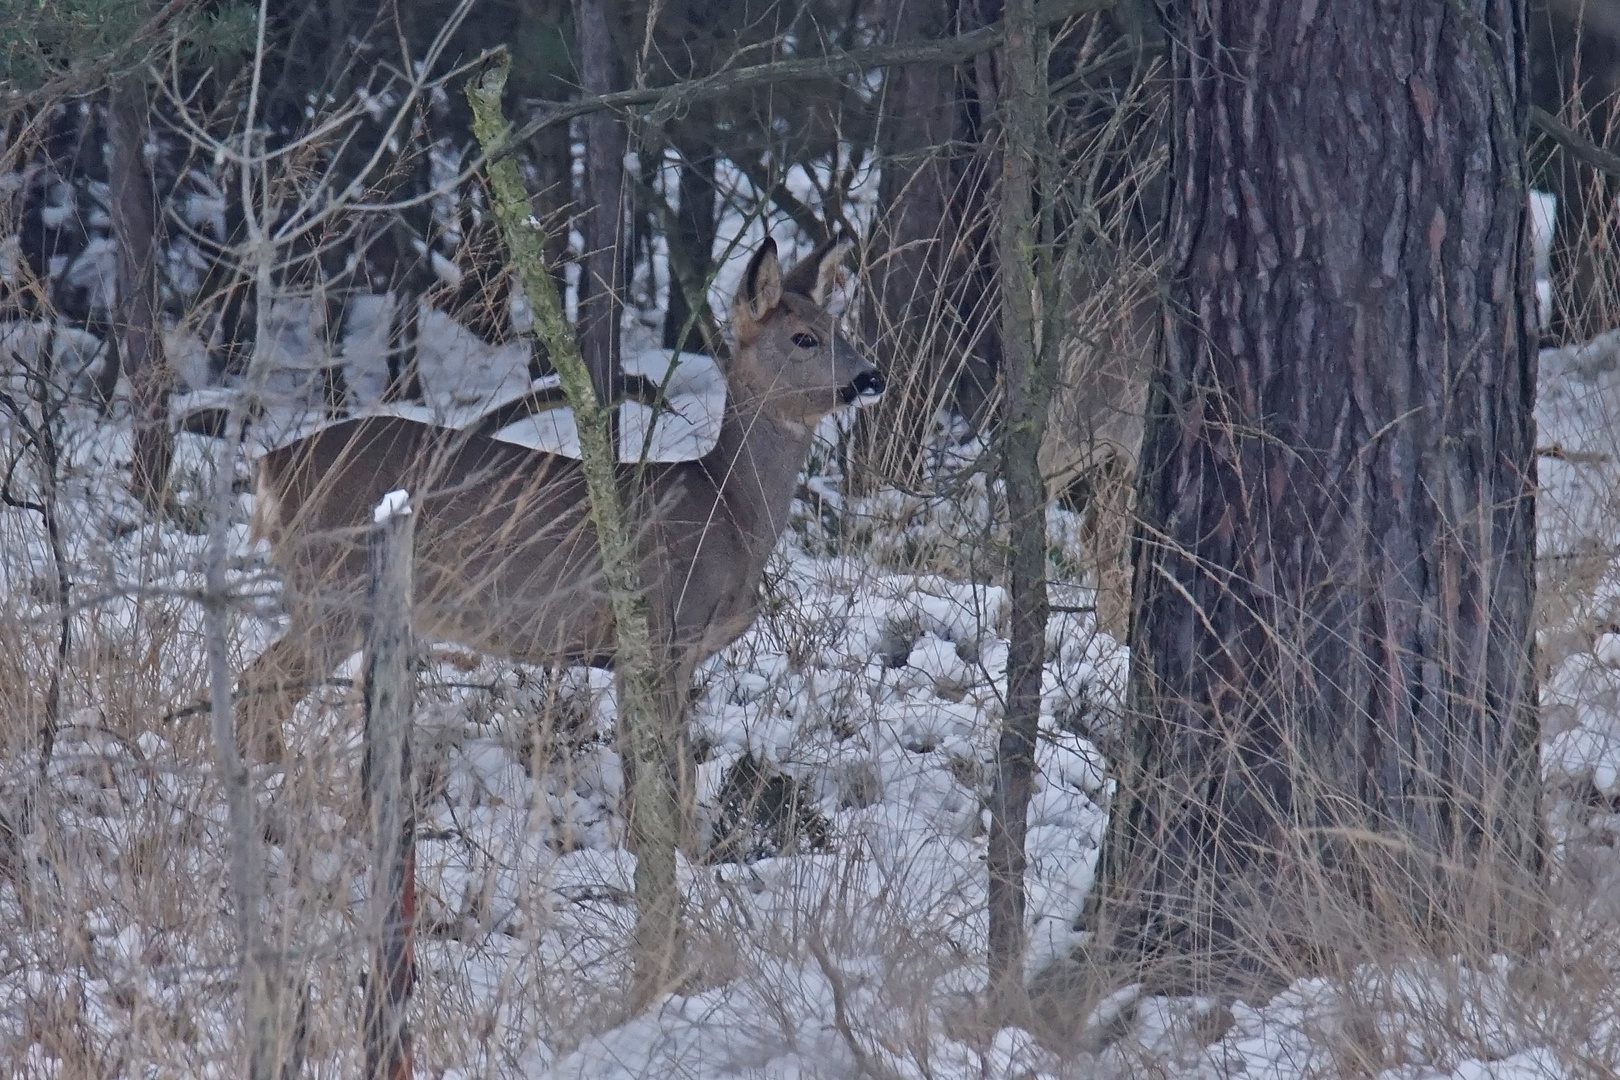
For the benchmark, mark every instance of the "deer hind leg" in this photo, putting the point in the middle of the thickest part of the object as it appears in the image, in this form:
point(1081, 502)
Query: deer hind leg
point(1109, 517)
point(675, 702)
point(270, 688)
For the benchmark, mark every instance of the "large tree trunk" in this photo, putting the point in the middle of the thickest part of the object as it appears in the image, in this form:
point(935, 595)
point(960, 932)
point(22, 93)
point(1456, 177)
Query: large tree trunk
point(691, 244)
point(932, 297)
point(1333, 731)
point(603, 207)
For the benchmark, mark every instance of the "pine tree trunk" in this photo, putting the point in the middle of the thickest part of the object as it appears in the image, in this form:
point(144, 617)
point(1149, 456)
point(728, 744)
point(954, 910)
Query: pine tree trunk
point(1333, 730)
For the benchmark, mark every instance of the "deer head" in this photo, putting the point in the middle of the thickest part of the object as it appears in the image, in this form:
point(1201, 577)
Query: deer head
point(790, 359)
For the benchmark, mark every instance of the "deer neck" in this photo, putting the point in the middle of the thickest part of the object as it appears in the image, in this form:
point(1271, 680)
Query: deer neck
point(756, 466)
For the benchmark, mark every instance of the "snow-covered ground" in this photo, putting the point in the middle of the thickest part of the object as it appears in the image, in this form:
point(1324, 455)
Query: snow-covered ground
point(867, 693)
point(845, 745)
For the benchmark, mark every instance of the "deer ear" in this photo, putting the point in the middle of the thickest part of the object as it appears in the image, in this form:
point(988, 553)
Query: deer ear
point(817, 275)
point(761, 286)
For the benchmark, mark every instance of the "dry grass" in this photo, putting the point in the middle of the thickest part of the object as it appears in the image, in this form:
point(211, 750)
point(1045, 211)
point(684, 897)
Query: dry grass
point(864, 959)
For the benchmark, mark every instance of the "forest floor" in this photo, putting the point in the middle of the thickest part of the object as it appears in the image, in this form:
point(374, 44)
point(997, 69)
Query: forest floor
point(846, 744)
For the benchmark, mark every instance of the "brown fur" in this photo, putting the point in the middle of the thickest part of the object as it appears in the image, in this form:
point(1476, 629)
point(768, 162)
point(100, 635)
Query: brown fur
point(506, 557)
point(1094, 432)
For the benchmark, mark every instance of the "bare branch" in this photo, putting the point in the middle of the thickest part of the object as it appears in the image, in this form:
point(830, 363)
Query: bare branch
point(667, 101)
point(758, 175)
point(1584, 149)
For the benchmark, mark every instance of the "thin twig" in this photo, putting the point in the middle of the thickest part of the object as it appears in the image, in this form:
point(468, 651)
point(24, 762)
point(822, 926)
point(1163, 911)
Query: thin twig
point(864, 1063)
point(667, 101)
point(198, 707)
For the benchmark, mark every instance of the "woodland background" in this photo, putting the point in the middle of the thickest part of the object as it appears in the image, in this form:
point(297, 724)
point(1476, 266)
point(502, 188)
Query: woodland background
point(219, 213)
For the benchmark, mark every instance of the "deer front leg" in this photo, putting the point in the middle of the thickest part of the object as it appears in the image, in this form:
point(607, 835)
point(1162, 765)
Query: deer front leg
point(270, 688)
point(674, 709)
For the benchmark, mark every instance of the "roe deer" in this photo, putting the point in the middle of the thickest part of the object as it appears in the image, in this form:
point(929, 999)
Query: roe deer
point(1094, 429)
point(506, 557)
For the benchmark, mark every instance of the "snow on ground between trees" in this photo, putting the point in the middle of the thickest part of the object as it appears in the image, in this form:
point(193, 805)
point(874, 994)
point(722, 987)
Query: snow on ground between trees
point(845, 748)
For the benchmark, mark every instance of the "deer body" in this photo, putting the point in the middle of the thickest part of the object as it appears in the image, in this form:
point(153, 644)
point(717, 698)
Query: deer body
point(506, 556)
point(1094, 429)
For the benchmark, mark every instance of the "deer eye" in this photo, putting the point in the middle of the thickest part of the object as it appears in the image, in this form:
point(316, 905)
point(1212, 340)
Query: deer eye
point(806, 341)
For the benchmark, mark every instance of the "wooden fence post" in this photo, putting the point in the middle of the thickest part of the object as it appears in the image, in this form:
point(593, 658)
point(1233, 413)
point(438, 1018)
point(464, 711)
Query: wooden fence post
point(390, 694)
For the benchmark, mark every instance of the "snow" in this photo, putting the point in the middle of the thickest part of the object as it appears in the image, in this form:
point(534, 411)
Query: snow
point(463, 379)
point(1543, 220)
point(1579, 526)
point(848, 938)
point(393, 504)
point(684, 428)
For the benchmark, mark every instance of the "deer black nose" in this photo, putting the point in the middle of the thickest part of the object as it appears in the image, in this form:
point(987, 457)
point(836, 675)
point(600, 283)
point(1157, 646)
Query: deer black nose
point(863, 389)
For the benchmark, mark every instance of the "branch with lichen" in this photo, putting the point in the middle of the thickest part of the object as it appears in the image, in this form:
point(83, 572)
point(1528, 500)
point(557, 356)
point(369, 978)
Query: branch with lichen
point(653, 816)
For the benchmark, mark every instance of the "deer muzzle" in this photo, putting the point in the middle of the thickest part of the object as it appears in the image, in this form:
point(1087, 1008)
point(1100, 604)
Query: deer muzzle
point(863, 389)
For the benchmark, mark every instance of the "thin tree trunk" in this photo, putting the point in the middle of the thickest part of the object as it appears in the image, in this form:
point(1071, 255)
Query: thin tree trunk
point(604, 207)
point(270, 1039)
point(273, 1019)
point(648, 708)
point(1023, 117)
point(553, 162)
point(133, 208)
point(694, 236)
point(917, 243)
point(972, 284)
point(1333, 730)
point(48, 397)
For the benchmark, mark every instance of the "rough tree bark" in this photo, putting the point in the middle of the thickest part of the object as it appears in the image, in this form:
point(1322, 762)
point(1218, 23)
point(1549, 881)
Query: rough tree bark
point(1333, 728)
